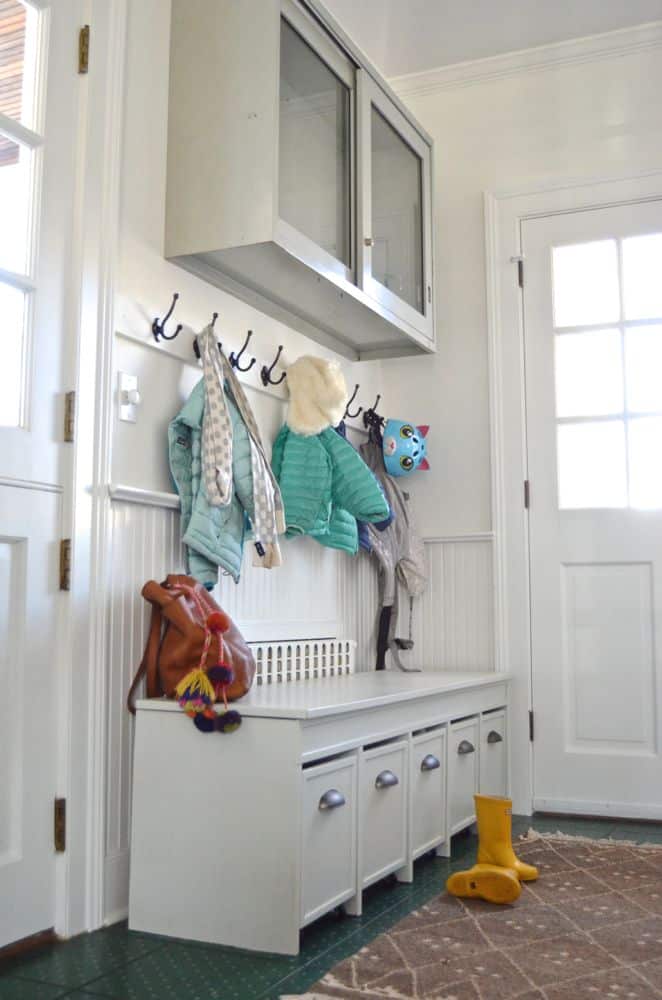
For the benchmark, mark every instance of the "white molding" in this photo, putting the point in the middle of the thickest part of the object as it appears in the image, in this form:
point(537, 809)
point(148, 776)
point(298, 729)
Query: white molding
point(149, 498)
point(478, 536)
point(607, 45)
point(620, 810)
point(31, 484)
point(13, 130)
point(504, 214)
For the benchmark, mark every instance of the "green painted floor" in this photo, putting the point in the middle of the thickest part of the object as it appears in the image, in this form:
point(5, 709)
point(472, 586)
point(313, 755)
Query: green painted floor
point(119, 963)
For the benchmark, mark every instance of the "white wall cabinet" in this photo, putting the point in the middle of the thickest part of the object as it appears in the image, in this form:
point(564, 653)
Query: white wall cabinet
point(296, 178)
point(328, 786)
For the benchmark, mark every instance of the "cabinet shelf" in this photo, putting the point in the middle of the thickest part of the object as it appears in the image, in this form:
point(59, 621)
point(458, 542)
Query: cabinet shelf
point(296, 179)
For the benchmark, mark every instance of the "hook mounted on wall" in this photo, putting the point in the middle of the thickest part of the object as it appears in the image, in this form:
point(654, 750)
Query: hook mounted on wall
point(236, 358)
point(158, 326)
point(196, 349)
point(352, 416)
point(265, 373)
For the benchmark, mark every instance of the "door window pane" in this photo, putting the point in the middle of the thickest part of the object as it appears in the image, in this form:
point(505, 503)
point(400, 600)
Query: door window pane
point(18, 48)
point(12, 329)
point(585, 284)
point(591, 464)
point(397, 213)
point(645, 449)
point(314, 147)
point(15, 192)
point(643, 368)
point(642, 276)
point(589, 374)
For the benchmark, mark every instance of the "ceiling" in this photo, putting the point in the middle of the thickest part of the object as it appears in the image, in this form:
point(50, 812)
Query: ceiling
point(407, 36)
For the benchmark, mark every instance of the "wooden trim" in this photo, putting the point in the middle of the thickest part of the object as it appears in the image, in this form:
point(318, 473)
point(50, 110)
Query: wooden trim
point(27, 945)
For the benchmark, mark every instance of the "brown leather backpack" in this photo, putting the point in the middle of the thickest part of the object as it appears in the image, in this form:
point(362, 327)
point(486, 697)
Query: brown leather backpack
point(169, 657)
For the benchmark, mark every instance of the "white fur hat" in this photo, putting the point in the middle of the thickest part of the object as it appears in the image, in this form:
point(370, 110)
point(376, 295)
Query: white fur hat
point(318, 395)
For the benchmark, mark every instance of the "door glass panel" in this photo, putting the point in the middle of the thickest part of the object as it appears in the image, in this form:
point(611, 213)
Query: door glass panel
point(642, 276)
point(643, 368)
point(15, 199)
point(314, 147)
point(591, 464)
point(397, 213)
point(585, 283)
point(589, 375)
point(12, 330)
point(18, 51)
point(644, 449)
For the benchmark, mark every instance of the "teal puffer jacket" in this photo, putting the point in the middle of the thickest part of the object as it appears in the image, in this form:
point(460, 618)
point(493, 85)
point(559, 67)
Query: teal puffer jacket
point(213, 536)
point(325, 486)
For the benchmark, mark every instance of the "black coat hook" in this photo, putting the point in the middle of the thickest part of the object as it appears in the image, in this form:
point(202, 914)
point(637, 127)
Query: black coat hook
point(236, 358)
point(214, 317)
point(352, 416)
point(158, 326)
point(373, 408)
point(196, 349)
point(265, 374)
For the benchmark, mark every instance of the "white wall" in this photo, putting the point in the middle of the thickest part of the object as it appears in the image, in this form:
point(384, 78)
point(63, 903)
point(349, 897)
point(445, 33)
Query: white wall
point(594, 119)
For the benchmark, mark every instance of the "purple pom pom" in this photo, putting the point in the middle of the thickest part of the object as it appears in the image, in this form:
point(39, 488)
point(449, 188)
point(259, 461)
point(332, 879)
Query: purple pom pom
point(204, 724)
point(228, 722)
point(221, 674)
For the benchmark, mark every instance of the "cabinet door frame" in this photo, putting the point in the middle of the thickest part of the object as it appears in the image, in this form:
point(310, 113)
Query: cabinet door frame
point(338, 62)
point(368, 94)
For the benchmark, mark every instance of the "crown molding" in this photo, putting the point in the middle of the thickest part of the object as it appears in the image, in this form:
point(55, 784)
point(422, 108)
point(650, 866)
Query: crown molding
point(593, 48)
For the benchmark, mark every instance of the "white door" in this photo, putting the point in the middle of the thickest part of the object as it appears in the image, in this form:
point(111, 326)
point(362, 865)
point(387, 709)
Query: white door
point(39, 94)
point(593, 364)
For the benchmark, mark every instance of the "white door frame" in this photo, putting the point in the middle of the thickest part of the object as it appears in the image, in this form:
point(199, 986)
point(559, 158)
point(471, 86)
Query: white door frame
point(504, 213)
point(82, 652)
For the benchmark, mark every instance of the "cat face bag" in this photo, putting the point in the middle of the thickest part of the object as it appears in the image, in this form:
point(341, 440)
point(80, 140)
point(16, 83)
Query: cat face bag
point(404, 447)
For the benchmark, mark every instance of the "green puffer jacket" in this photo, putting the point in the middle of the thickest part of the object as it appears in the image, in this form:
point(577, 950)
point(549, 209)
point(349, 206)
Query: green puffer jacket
point(213, 536)
point(326, 486)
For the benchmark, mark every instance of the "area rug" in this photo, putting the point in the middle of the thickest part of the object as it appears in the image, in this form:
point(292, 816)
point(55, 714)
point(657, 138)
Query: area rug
point(590, 928)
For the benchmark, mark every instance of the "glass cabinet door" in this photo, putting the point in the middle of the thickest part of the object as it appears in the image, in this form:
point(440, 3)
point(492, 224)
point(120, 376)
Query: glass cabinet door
point(315, 157)
point(396, 243)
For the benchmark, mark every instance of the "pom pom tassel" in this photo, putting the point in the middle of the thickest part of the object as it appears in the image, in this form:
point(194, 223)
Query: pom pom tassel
point(196, 686)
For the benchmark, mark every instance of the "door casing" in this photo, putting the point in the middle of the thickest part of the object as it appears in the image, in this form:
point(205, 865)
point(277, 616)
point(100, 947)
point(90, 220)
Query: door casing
point(504, 214)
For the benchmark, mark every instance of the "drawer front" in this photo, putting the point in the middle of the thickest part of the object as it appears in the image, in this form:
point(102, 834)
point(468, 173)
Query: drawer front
point(428, 791)
point(463, 771)
point(494, 754)
point(383, 794)
point(329, 830)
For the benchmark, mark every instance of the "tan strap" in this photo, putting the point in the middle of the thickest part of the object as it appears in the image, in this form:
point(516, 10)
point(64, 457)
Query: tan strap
point(148, 664)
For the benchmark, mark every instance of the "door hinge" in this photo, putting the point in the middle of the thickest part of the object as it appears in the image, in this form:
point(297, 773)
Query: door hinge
point(531, 725)
point(60, 825)
point(527, 494)
point(69, 415)
point(520, 269)
point(84, 49)
point(429, 293)
point(65, 564)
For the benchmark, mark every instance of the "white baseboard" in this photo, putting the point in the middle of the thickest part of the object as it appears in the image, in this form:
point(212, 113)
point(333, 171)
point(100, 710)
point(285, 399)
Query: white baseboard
point(617, 810)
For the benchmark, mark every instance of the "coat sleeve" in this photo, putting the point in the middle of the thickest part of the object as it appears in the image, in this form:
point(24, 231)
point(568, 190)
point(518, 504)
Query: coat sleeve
point(354, 486)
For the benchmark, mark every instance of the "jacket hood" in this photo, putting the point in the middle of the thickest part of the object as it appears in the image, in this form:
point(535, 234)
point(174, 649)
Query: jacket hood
point(318, 395)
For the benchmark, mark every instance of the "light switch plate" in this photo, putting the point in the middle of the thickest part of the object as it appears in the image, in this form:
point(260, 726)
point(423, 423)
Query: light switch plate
point(127, 386)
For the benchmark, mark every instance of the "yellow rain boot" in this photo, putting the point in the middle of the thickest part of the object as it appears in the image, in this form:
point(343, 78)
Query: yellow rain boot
point(495, 847)
point(490, 882)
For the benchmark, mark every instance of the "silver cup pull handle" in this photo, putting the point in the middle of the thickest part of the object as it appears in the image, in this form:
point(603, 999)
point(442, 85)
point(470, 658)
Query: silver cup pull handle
point(466, 747)
point(331, 800)
point(430, 762)
point(386, 779)
point(494, 737)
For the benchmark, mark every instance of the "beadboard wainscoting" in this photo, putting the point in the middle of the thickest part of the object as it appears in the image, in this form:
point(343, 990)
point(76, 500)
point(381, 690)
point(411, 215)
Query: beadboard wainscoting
point(316, 593)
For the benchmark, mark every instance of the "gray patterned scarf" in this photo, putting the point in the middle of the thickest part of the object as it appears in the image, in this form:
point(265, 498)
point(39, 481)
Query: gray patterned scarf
point(268, 518)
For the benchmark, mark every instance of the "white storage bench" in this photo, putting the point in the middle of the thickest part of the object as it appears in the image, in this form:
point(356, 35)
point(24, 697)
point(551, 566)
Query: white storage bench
point(328, 786)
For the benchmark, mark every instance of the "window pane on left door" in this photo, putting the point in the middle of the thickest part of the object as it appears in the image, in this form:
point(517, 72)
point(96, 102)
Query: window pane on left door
point(642, 276)
point(591, 465)
point(15, 190)
point(585, 284)
point(12, 339)
point(589, 374)
point(643, 368)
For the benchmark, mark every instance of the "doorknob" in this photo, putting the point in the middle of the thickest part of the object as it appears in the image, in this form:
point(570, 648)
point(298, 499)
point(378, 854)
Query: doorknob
point(369, 241)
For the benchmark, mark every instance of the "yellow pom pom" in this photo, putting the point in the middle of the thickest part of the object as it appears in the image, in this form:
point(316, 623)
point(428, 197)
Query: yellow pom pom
point(196, 684)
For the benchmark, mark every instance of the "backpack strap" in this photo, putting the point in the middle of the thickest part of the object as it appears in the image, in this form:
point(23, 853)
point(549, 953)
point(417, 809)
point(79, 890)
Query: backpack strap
point(148, 664)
